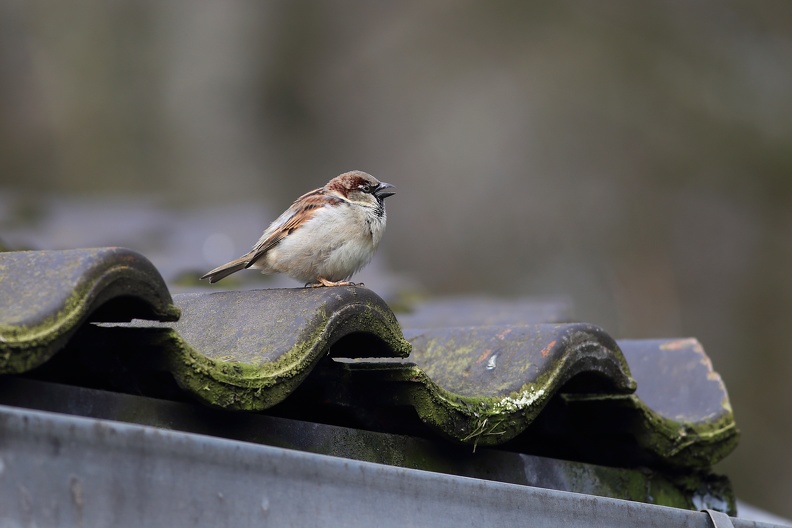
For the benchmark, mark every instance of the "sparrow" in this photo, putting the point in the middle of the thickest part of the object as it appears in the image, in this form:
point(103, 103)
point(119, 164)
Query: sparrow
point(325, 236)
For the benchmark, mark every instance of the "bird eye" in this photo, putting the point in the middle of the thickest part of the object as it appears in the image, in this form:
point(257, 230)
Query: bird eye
point(365, 188)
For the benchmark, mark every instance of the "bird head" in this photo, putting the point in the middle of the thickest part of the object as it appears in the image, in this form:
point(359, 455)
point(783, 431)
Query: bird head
point(361, 188)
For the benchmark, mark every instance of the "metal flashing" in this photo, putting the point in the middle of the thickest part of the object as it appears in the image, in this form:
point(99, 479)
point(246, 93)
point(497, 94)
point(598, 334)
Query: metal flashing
point(55, 473)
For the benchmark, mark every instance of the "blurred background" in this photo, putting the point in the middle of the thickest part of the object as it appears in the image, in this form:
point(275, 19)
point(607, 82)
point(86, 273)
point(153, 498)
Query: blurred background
point(634, 157)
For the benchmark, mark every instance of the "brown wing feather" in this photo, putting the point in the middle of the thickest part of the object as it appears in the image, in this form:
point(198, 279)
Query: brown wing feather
point(302, 210)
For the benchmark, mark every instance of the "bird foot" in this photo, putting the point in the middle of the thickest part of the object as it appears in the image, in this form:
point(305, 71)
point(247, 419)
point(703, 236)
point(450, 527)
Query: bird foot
point(324, 282)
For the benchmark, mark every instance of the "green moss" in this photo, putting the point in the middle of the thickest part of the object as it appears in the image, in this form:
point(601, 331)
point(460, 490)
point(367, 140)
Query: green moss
point(54, 292)
point(255, 385)
point(234, 385)
point(482, 420)
point(372, 319)
point(698, 444)
point(449, 359)
point(23, 347)
point(476, 421)
point(691, 491)
point(488, 421)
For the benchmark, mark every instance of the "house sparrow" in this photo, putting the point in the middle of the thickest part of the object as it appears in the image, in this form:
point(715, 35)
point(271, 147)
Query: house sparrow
point(324, 237)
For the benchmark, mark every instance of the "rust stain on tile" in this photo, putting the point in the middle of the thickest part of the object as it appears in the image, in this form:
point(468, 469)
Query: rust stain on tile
point(546, 350)
point(487, 353)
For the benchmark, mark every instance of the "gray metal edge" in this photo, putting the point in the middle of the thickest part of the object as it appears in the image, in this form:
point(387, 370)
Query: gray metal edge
point(357, 444)
point(60, 470)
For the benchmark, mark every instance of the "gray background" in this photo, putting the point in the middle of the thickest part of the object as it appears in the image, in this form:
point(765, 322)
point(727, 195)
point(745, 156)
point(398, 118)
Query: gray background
point(635, 157)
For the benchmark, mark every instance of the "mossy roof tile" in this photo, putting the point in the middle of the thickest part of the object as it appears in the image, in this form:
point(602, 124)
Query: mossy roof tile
point(510, 366)
point(479, 372)
point(45, 296)
point(248, 350)
point(681, 411)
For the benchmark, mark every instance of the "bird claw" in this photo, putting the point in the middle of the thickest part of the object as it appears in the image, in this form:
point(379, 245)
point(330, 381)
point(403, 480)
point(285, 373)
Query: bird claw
point(321, 282)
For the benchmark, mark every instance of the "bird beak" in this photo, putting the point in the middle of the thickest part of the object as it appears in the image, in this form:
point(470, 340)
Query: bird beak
point(383, 192)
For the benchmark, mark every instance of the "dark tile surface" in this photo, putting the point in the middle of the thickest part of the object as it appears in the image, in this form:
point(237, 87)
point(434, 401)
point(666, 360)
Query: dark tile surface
point(680, 411)
point(480, 372)
point(45, 296)
point(249, 350)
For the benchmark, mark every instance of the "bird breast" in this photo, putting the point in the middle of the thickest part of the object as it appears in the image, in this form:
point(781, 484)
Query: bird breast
point(334, 244)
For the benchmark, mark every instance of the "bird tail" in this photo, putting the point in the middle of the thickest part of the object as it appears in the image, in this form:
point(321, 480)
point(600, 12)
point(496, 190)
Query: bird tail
point(227, 269)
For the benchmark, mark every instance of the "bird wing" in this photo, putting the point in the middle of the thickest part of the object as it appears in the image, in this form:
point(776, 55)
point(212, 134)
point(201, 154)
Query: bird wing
point(302, 210)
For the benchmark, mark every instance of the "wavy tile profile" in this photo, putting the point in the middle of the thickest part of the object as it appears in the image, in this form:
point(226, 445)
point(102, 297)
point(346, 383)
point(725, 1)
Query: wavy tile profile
point(248, 350)
point(681, 411)
point(480, 372)
point(486, 385)
point(45, 296)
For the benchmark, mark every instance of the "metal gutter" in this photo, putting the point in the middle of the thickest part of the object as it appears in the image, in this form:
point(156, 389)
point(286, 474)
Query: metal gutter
point(58, 470)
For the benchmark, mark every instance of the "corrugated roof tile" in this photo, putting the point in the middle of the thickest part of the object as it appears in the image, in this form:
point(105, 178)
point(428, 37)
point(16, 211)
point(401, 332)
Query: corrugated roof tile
point(249, 350)
point(45, 296)
point(480, 372)
point(680, 411)
point(487, 384)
